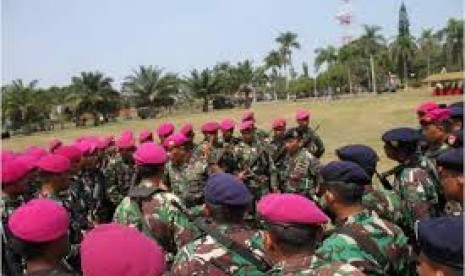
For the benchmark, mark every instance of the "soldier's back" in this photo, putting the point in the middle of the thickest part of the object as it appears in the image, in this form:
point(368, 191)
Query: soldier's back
point(374, 245)
point(386, 203)
point(205, 256)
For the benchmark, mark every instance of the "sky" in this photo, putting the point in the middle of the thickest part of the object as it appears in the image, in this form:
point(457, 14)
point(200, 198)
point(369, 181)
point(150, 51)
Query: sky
point(53, 40)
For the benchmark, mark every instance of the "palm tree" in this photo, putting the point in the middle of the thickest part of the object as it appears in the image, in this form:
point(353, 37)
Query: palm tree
point(326, 56)
point(427, 43)
point(452, 37)
point(402, 51)
point(149, 83)
point(287, 42)
point(275, 62)
point(203, 85)
point(90, 91)
point(372, 41)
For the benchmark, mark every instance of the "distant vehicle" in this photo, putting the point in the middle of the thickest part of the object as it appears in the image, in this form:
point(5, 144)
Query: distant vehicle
point(147, 112)
point(222, 102)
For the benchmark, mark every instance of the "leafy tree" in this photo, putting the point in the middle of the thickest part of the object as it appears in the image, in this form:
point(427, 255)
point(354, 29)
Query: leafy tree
point(203, 85)
point(452, 39)
point(288, 42)
point(327, 56)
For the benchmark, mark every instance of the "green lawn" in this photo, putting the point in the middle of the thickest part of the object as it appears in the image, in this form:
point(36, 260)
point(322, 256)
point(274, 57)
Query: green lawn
point(360, 119)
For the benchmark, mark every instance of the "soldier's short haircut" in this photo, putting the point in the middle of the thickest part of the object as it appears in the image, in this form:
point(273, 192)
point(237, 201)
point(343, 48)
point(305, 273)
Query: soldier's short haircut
point(292, 238)
point(347, 193)
point(29, 250)
point(227, 213)
point(149, 171)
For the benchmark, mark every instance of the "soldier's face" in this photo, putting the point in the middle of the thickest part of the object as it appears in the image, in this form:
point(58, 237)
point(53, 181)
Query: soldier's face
point(452, 184)
point(292, 145)
point(279, 133)
point(247, 136)
point(211, 137)
point(457, 124)
point(426, 268)
point(302, 123)
point(432, 132)
point(227, 134)
point(176, 154)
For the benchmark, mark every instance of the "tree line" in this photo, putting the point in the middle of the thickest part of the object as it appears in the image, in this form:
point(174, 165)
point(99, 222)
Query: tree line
point(365, 64)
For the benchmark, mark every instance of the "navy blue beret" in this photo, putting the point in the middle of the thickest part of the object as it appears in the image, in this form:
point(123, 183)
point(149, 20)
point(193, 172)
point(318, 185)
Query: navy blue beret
point(456, 111)
point(292, 133)
point(399, 136)
point(226, 189)
point(441, 240)
point(451, 160)
point(364, 156)
point(456, 104)
point(344, 171)
point(455, 139)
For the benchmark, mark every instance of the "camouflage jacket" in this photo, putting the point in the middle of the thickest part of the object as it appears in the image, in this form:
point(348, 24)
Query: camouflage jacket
point(312, 141)
point(254, 159)
point(187, 180)
point(206, 153)
point(297, 173)
point(157, 218)
point(119, 176)
point(418, 194)
point(9, 205)
point(386, 203)
point(386, 241)
point(433, 152)
point(261, 134)
point(339, 269)
point(299, 266)
point(205, 256)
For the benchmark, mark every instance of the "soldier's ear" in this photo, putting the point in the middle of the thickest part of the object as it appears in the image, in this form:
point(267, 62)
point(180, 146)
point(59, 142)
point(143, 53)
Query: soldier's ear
point(267, 241)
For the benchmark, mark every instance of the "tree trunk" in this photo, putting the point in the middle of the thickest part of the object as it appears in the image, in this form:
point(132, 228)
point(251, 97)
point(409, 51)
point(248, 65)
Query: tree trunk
point(205, 105)
point(373, 78)
point(405, 75)
point(428, 65)
point(349, 75)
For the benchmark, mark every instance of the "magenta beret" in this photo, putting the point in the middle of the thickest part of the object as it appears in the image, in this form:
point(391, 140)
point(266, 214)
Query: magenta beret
point(165, 130)
point(145, 135)
point(71, 152)
point(210, 127)
point(436, 116)
point(302, 114)
point(54, 163)
point(119, 250)
point(290, 209)
point(150, 154)
point(175, 140)
point(227, 124)
point(279, 123)
point(36, 151)
point(248, 116)
point(247, 125)
point(39, 220)
point(13, 171)
point(187, 129)
point(427, 107)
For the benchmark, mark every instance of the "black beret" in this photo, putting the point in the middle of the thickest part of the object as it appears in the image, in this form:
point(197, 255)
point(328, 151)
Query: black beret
point(226, 189)
point(364, 156)
point(451, 160)
point(441, 240)
point(456, 112)
point(400, 136)
point(456, 104)
point(345, 172)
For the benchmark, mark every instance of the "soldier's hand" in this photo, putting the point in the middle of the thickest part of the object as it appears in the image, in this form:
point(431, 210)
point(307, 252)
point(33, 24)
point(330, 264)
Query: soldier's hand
point(242, 175)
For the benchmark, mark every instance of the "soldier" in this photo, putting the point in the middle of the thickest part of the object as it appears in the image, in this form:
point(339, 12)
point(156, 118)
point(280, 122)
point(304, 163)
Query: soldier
point(385, 202)
point(226, 201)
point(412, 183)
point(292, 231)
point(40, 235)
point(188, 131)
point(14, 174)
point(53, 171)
point(310, 138)
point(450, 167)
point(253, 161)
point(425, 108)
point(183, 175)
point(361, 237)
point(165, 130)
point(145, 136)
point(250, 116)
point(209, 151)
point(436, 127)
point(148, 205)
point(441, 246)
point(227, 130)
point(277, 143)
point(120, 172)
point(121, 251)
point(299, 168)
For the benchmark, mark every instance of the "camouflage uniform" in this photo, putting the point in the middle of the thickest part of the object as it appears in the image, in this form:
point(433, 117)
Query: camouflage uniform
point(119, 176)
point(312, 141)
point(245, 155)
point(298, 172)
point(418, 195)
point(157, 218)
point(386, 203)
point(339, 269)
point(209, 157)
point(390, 252)
point(187, 180)
point(205, 256)
point(261, 134)
point(9, 204)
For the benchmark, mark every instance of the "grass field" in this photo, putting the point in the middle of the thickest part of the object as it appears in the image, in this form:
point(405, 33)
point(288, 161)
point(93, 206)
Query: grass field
point(360, 119)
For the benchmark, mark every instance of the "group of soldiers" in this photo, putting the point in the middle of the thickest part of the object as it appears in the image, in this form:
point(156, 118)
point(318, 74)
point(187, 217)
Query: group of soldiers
point(259, 203)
